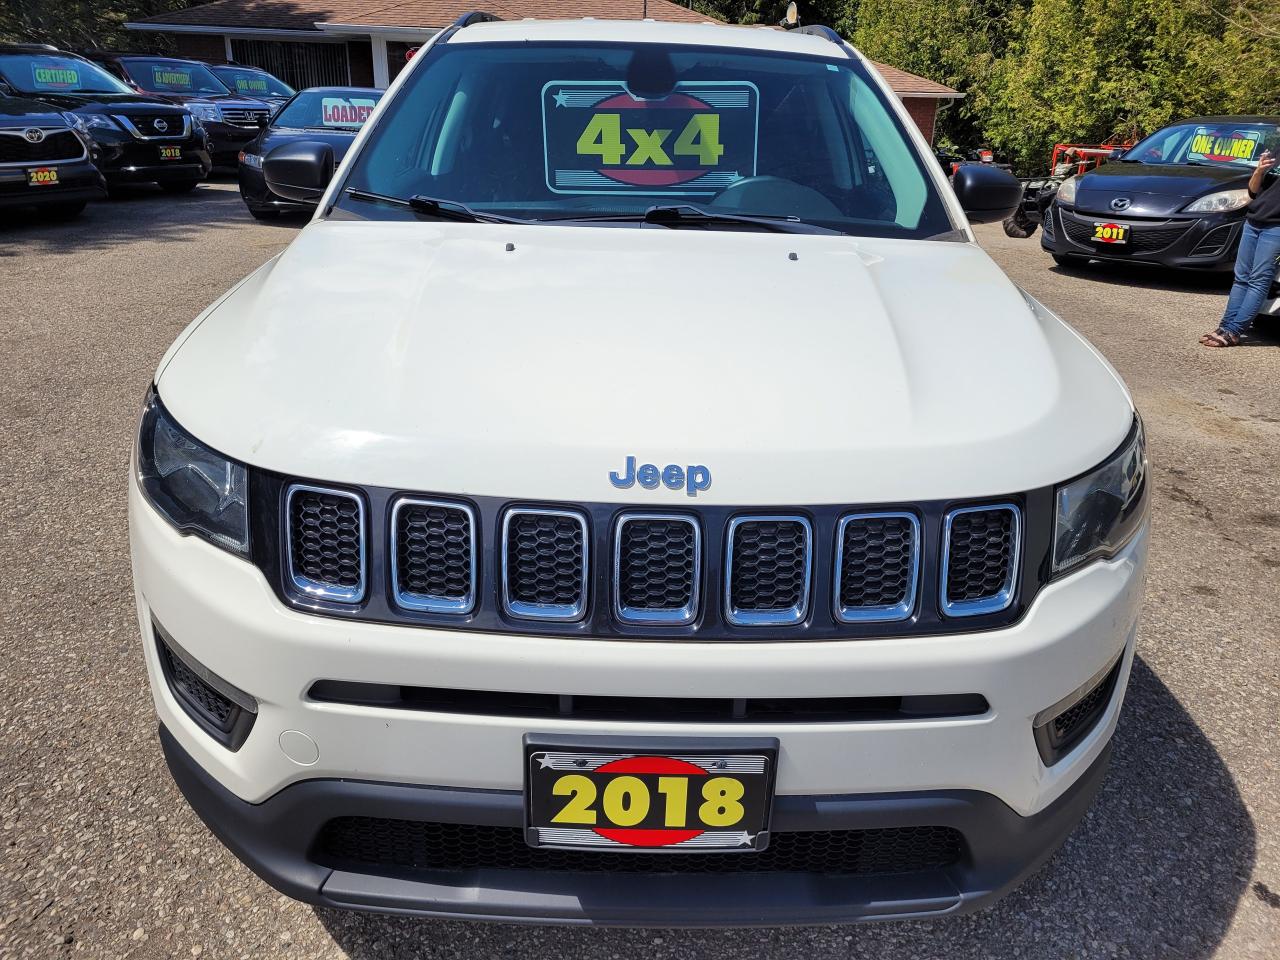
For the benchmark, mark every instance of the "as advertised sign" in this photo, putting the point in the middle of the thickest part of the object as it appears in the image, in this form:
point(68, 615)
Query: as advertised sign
point(1232, 146)
point(599, 138)
point(172, 79)
point(340, 112)
point(54, 77)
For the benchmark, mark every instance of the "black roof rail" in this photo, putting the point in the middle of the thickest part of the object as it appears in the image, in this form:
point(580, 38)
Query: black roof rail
point(819, 30)
point(476, 16)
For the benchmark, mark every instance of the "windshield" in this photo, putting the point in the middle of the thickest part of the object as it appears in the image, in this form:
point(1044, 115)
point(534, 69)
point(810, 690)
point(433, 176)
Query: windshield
point(328, 109)
point(1219, 143)
point(252, 83)
point(174, 76)
point(569, 130)
point(51, 73)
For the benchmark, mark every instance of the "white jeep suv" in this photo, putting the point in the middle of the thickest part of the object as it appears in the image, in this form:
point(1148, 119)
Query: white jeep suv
point(635, 498)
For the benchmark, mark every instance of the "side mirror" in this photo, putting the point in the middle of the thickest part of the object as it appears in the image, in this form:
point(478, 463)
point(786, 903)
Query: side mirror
point(299, 171)
point(1117, 153)
point(986, 192)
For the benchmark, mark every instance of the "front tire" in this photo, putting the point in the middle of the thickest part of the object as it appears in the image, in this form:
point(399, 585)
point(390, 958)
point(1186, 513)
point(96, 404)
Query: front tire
point(260, 213)
point(1019, 225)
point(179, 186)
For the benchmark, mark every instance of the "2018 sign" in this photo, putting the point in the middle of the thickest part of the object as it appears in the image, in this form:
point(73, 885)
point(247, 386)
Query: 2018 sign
point(694, 141)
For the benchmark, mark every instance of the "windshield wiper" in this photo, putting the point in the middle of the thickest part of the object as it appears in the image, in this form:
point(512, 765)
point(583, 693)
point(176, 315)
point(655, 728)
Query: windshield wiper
point(688, 215)
point(434, 207)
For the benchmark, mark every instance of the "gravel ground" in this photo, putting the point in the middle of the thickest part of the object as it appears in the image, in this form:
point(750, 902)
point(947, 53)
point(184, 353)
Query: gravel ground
point(1180, 857)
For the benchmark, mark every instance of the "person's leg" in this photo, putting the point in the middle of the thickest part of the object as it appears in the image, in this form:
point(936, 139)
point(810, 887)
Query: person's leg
point(1258, 276)
point(1244, 266)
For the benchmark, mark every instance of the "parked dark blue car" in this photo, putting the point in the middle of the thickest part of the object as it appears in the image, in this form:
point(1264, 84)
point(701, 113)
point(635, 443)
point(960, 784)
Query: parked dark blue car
point(1176, 198)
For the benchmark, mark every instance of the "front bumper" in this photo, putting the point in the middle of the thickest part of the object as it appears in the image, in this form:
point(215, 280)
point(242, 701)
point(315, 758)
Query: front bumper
point(126, 159)
point(77, 181)
point(277, 839)
point(1207, 242)
point(982, 774)
point(226, 140)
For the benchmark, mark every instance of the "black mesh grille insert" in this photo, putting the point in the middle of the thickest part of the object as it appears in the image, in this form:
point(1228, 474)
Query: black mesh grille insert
point(770, 565)
point(56, 145)
point(877, 562)
point(198, 695)
point(434, 553)
point(1059, 735)
point(409, 844)
point(657, 563)
point(545, 560)
point(325, 541)
point(980, 554)
point(1142, 239)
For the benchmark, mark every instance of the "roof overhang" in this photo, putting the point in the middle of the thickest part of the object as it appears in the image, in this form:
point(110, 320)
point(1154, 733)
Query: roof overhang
point(388, 32)
point(278, 33)
point(950, 95)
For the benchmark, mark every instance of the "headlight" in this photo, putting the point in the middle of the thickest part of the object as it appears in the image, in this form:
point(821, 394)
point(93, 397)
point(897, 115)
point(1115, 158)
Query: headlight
point(91, 120)
point(1099, 512)
point(1222, 202)
point(197, 490)
point(205, 111)
point(1067, 190)
point(251, 160)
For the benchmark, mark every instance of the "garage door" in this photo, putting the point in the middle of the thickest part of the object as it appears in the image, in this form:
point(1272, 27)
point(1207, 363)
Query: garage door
point(298, 64)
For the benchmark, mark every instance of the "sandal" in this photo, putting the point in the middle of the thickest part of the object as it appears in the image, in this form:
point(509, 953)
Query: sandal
point(1220, 338)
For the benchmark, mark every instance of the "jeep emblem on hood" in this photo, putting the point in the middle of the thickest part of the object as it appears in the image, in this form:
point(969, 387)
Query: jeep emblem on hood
point(692, 478)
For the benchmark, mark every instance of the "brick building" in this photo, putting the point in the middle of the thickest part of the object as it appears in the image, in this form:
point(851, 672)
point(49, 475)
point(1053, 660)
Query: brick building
point(366, 42)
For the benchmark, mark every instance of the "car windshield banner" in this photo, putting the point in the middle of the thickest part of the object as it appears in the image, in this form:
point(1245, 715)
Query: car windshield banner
point(171, 79)
point(55, 76)
point(1224, 146)
point(338, 112)
point(695, 141)
point(250, 85)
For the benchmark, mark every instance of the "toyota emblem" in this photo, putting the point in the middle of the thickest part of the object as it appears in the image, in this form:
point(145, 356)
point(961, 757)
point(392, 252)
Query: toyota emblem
point(1120, 203)
point(33, 134)
point(161, 125)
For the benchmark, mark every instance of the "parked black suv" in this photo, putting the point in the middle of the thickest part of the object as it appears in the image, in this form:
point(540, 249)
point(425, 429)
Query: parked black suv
point(44, 161)
point(230, 120)
point(139, 138)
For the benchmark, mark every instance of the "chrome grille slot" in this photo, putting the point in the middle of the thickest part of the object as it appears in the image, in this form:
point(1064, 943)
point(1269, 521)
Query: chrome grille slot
point(767, 570)
point(433, 556)
point(544, 564)
point(877, 565)
point(243, 116)
point(656, 565)
point(981, 551)
point(325, 542)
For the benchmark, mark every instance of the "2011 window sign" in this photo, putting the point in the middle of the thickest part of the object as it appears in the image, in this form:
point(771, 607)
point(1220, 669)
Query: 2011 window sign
point(694, 141)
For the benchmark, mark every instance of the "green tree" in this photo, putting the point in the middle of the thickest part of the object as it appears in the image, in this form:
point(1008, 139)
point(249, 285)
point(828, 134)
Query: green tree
point(81, 23)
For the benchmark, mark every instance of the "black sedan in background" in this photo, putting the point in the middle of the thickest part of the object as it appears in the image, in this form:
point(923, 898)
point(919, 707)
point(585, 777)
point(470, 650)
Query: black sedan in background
point(139, 138)
point(331, 115)
point(44, 161)
point(1176, 198)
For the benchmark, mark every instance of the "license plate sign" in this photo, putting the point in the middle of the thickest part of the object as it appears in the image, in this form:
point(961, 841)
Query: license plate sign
point(659, 800)
point(170, 153)
point(1110, 233)
point(42, 177)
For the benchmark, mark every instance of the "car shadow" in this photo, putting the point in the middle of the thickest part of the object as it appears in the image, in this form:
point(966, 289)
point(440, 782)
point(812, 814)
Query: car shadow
point(1147, 276)
point(130, 213)
point(1155, 870)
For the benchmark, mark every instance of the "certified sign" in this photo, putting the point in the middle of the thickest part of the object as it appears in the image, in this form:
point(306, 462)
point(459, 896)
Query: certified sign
point(695, 141)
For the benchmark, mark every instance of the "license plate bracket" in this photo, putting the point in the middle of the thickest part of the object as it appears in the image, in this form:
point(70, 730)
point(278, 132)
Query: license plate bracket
point(649, 794)
point(42, 176)
point(1117, 233)
point(170, 153)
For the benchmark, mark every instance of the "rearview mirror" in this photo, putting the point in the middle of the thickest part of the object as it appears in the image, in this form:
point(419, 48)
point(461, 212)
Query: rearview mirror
point(299, 171)
point(986, 192)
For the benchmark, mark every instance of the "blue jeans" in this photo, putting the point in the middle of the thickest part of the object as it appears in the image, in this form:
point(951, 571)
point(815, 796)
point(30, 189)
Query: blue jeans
point(1256, 264)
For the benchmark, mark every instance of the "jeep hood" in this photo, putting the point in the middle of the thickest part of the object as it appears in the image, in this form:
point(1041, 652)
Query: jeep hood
point(430, 357)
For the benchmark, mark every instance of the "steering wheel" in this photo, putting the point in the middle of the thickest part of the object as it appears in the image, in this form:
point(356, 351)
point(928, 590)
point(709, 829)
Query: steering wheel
point(775, 197)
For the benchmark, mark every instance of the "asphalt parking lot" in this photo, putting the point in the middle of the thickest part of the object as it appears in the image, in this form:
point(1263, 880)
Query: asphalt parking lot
point(1179, 858)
